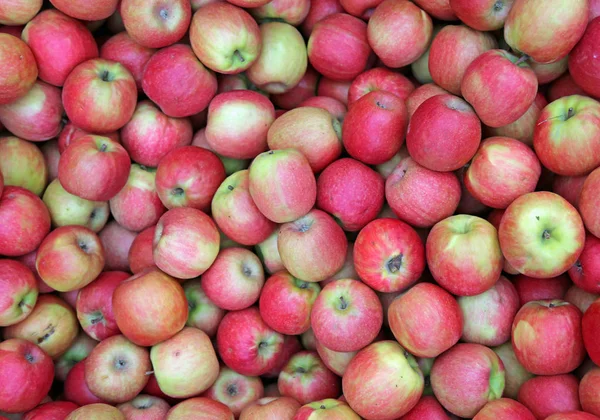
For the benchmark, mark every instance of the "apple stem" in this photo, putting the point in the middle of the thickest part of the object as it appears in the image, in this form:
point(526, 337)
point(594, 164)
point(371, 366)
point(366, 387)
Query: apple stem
point(150, 372)
point(343, 303)
point(395, 263)
point(239, 56)
point(522, 59)
point(546, 235)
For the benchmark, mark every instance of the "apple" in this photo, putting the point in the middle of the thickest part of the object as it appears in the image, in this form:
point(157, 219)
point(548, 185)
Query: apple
point(24, 363)
point(269, 254)
point(20, 292)
point(291, 346)
point(80, 349)
point(383, 366)
point(51, 156)
point(22, 164)
point(584, 71)
point(338, 47)
point(452, 50)
point(515, 374)
point(238, 122)
point(231, 165)
point(162, 77)
point(337, 89)
point(563, 86)
point(380, 78)
point(19, 12)
point(590, 323)
point(502, 170)
point(89, 10)
point(588, 200)
point(412, 29)
point(270, 408)
point(319, 10)
point(439, 9)
point(189, 409)
point(569, 187)
point(52, 325)
point(71, 133)
point(546, 395)
point(504, 408)
point(116, 241)
point(374, 127)
point(150, 134)
point(306, 87)
point(144, 407)
point(97, 410)
point(588, 391)
point(545, 37)
point(482, 15)
point(548, 72)
point(336, 361)
point(523, 128)
point(247, 344)
point(531, 289)
point(140, 254)
point(347, 271)
point(234, 390)
point(541, 235)
point(23, 72)
point(580, 298)
point(203, 313)
point(572, 415)
point(53, 410)
point(585, 272)
point(420, 95)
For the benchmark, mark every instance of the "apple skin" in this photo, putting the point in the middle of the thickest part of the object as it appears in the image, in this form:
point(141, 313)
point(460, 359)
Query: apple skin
point(25, 363)
point(225, 38)
point(351, 304)
point(482, 15)
point(590, 323)
point(530, 288)
point(327, 409)
point(162, 81)
point(271, 408)
point(51, 154)
point(75, 388)
point(594, 9)
point(580, 298)
point(35, 116)
point(97, 410)
point(189, 409)
point(305, 89)
point(145, 407)
point(22, 164)
point(338, 47)
point(169, 309)
point(585, 273)
point(19, 12)
point(52, 325)
point(337, 89)
point(462, 272)
point(412, 26)
point(461, 130)
point(563, 86)
point(24, 221)
point(90, 10)
point(319, 10)
point(572, 415)
point(71, 133)
point(584, 71)
point(523, 128)
point(569, 188)
point(80, 349)
point(546, 395)
point(555, 221)
point(150, 134)
point(203, 313)
point(588, 391)
point(502, 170)
point(504, 409)
point(557, 323)
point(380, 78)
point(374, 127)
point(116, 241)
point(238, 122)
point(539, 35)
point(231, 165)
point(94, 305)
point(383, 370)
point(54, 410)
point(588, 203)
point(29, 261)
point(140, 254)
point(20, 292)
point(451, 52)
point(291, 346)
point(439, 9)
point(420, 95)
point(427, 407)
point(515, 374)
point(234, 390)
point(336, 361)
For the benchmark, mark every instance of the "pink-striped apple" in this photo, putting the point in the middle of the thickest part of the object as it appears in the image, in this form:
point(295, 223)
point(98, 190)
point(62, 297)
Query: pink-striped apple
point(585, 273)
point(116, 241)
point(580, 298)
point(20, 292)
point(380, 78)
point(584, 71)
point(523, 128)
point(289, 11)
point(89, 10)
point(589, 200)
point(590, 324)
point(234, 390)
point(319, 10)
point(203, 313)
point(22, 69)
point(51, 410)
point(588, 391)
point(336, 361)
point(19, 12)
point(530, 288)
point(482, 15)
point(140, 254)
point(569, 188)
point(305, 89)
point(189, 409)
point(76, 389)
point(504, 409)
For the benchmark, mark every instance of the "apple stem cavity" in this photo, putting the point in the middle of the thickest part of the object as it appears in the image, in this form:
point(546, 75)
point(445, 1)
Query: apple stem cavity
point(103, 147)
point(120, 364)
point(395, 263)
point(232, 390)
point(237, 54)
point(343, 304)
point(29, 357)
point(98, 317)
point(570, 113)
point(105, 76)
point(322, 407)
point(230, 187)
point(164, 13)
point(546, 235)
point(83, 246)
point(300, 370)
point(177, 191)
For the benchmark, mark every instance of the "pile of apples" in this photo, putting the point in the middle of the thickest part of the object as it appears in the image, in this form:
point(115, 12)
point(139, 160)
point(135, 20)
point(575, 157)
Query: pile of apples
point(300, 209)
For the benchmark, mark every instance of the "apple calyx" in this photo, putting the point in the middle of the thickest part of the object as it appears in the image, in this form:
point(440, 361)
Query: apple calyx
point(232, 390)
point(570, 113)
point(103, 147)
point(380, 105)
point(96, 318)
point(106, 76)
point(498, 6)
point(395, 263)
point(120, 363)
point(178, 191)
point(546, 234)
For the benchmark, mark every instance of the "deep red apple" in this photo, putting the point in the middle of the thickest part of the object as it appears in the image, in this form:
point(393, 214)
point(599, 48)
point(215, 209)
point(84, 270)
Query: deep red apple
point(20, 292)
point(583, 68)
point(586, 271)
point(75, 387)
point(590, 325)
point(530, 288)
point(140, 253)
point(588, 391)
point(546, 395)
point(589, 200)
point(53, 410)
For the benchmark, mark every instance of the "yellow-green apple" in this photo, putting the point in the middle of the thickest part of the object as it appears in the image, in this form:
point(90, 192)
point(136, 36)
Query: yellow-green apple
point(313, 247)
point(569, 187)
point(319, 10)
point(286, 303)
point(337, 89)
point(515, 374)
point(502, 170)
point(269, 254)
point(412, 29)
point(80, 349)
point(203, 313)
point(186, 242)
point(589, 200)
point(150, 134)
point(546, 395)
point(247, 344)
point(388, 255)
point(94, 305)
point(482, 15)
point(19, 12)
point(580, 298)
point(236, 214)
point(185, 364)
point(338, 47)
point(76, 389)
point(282, 185)
point(504, 409)
point(463, 254)
point(383, 370)
point(52, 325)
point(71, 133)
point(238, 122)
point(405, 193)
point(49, 45)
point(117, 370)
point(452, 116)
point(68, 209)
point(21, 70)
point(289, 11)
point(20, 292)
point(336, 361)
point(35, 116)
point(557, 324)
point(541, 235)
point(523, 128)
point(89, 10)
point(426, 320)
point(420, 95)
point(380, 78)
point(271, 408)
point(351, 192)
point(375, 127)
point(96, 411)
point(567, 136)
point(585, 273)
point(234, 390)
point(225, 37)
point(305, 89)
point(69, 258)
point(189, 409)
point(472, 364)
point(488, 316)
point(51, 410)
point(336, 108)
point(590, 325)
point(283, 58)
point(94, 168)
point(452, 50)
point(145, 407)
point(588, 391)
point(116, 241)
point(140, 254)
point(156, 23)
point(28, 373)
point(545, 36)
point(162, 78)
point(306, 378)
point(499, 87)
point(22, 164)
point(355, 311)
point(310, 130)
point(583, 68)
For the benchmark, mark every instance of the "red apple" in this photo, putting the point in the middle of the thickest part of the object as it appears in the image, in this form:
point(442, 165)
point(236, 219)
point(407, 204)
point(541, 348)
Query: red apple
point(530, 288)
point(588, 203)
point(336, 108)
point(483, 15)
point(588, 391)
point(580, 298)
point(145, 407)
point(97, 410)
point(569, 188)
point(504, 409)
point(583, 69)
point(116, 241)
point(19, 12)
point(54, 410)
point(71, 133)
point(90, 10)
point(306, 87)
point(76, 389)
point(336, 361)
point(140, 254)
point(20, 292)
point(189, 409)
point(234, 390)
point(523, 128)
point(203, 313)
point(546, 395)
point(439, 9)
point(51, 156)
point(590, 323)
point(586, 271)
point(291, 346)
point(420, 95)
point(271, 408)
point(80, 349)
point(563, 86)
point(380, 78)
point(319, 10)
point(515, 374)
point(22, 164)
